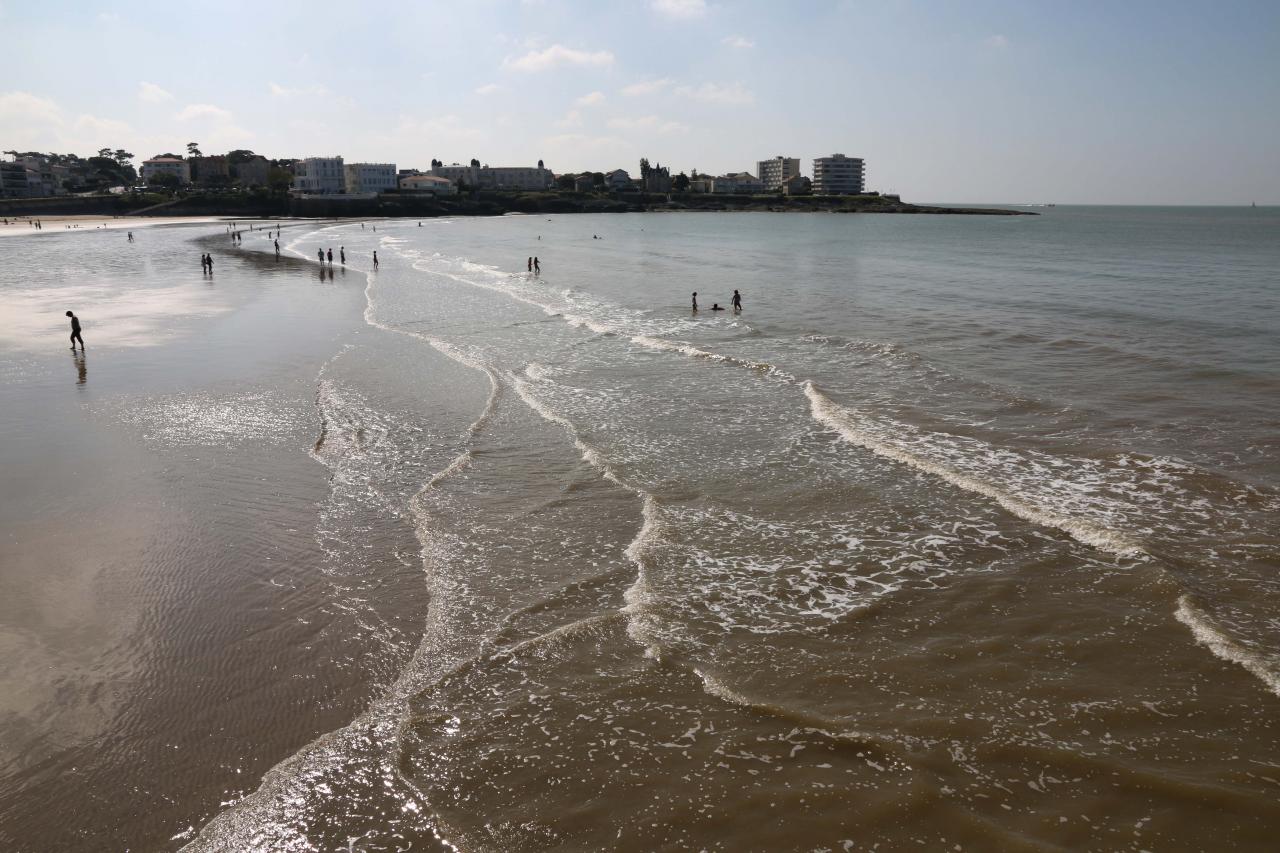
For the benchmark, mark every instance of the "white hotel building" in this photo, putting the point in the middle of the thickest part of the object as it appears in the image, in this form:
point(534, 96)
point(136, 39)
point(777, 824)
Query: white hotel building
point(498, 177)
point(370, 177)
point(319, 175)
point(838, 175)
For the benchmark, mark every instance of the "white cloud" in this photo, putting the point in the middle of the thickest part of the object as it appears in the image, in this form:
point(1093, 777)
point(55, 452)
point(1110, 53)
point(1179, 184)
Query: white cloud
point(488, 89)
point(647, 123)
point(19, 107)
point(996, 41)
point(152, 94)
point(714, 93)
point(289, 92)
point(681, 10)
point(737, 41)
point(646, 87)
point(203, 111)
point(102, 127)
point(573, 118)
point(556, 56)
point(590, 99)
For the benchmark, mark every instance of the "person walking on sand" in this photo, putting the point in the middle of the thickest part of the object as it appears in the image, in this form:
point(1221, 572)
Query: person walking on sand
point(342, 255)
point(375, 260)
point(737, 301)
point(130, 236)
point(75, 331)
point(695, 301)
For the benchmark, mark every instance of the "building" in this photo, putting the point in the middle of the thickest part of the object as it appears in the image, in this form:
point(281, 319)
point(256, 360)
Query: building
point(319, 176)
point(498, 177)
point(796, 185)
point(737, 182)
point(370, 177)
point(13, 180)
point(618, 181)
point(773, 172)
point(433, 184)
point(157, 166)
point(584, 183)
point(212, 171)
point(254, 172)
point(655, 178)
point(838, 175)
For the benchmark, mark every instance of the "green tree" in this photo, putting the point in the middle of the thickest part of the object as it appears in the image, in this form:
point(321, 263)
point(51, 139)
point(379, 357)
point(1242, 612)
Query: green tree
point(193, 149)
point(240, 155)
point(121, 156)
point(597, 179)
point(166, 180)
point(680, 182)
point(565, 182)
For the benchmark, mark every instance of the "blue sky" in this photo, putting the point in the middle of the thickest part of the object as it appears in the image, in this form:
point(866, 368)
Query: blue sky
point(1132, 102)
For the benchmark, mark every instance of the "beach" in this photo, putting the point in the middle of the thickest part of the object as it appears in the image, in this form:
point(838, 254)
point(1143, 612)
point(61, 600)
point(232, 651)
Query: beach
point(961, 534)
point(17, 226)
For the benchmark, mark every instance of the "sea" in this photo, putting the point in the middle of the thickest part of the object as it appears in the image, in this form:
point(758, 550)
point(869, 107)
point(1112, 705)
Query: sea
point(962, 534)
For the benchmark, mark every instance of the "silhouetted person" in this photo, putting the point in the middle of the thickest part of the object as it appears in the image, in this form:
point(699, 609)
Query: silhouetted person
point(210, 264)
point(737, 301)
point(75, 331)
point(375, 260)
point(715, 306)
point(342, 254)
point(531, 263)
point(320, 255)
point(537, 267)
point(695, 300)
point(277, 242)
point(130, 236)
point(331, 256)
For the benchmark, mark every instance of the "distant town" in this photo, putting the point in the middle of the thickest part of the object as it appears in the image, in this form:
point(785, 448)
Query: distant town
point(37, 175)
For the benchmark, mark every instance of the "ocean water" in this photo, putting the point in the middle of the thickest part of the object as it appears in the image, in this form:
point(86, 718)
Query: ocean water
point(963, 534)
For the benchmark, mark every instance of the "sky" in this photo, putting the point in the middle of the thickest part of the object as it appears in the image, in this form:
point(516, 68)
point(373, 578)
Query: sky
point(1133, 102)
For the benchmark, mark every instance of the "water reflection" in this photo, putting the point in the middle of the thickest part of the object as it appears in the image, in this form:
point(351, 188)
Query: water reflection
point(81, 369)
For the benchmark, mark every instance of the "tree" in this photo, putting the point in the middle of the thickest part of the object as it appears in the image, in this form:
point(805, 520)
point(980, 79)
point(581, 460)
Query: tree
point(540, 166)
point(166, 180)
point(680, 182)
point(644, 166)
point(436, 164)
point(104, 152)
point(475, 164)
point(122, 157)
point(278, 179)
point(597, 179)
point(565, 182)
point(240, 155)
point(193, 149)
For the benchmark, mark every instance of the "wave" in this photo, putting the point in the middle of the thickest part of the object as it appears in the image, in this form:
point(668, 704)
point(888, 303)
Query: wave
point(1265, 668)
point(850, 426)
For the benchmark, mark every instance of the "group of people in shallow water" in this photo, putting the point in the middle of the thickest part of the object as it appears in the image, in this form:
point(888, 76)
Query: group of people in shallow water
point(534, 266)
point(206, 264)
point(736, 302)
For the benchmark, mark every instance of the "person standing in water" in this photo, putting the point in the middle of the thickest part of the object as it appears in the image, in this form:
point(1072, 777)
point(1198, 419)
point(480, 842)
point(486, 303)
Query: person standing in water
point(530, 263)
point(277, 242)
point(375, 260)
point(737, 301)
point(130, 236)
point(342, 255)
point(537, 267)
point(320, 255)
point(695, 300)
point(75, 331)
point(331, 257)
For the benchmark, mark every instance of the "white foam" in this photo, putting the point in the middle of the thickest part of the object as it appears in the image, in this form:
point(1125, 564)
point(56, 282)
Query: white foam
point(850, 426)
point(1266, 668)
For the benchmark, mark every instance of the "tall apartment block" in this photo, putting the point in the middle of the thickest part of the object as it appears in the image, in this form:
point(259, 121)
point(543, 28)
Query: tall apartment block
point(773, 172)
point(837, 175)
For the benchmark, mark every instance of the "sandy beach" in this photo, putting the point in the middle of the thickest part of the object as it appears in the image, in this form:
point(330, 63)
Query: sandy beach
point(23, 224)
point(300, 552)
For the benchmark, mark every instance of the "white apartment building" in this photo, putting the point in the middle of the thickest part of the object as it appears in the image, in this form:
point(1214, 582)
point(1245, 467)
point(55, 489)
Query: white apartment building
point(773, 172)
point(370, 177)
point(838, 175)
point(498, 177)
point(317, 175)
point(157, 166)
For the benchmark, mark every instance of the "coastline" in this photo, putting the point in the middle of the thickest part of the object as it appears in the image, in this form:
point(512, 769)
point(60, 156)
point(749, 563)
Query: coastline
point(211, 207)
